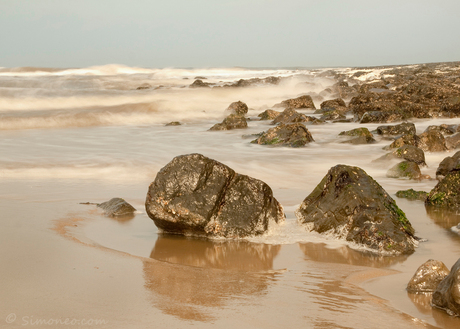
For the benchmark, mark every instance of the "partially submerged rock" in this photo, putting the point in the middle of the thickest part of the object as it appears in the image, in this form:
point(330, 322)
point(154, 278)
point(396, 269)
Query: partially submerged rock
point(427, 277)
point(448, 164)
point(446, 193)
point(198, 83)
point(362, 136)
point(117, 207)
point(233, 121)
point(412, 194)
point(447, 293)
point(302, 102)
point(238, 108)
point(291, 116)
point(353, 206)
point(432, 141)
point(405, 169)
point(173, 123)
point(406, 152)
point(334, 104)
point(293, 135)
point(400, 129)
point(196, 195)
point(268, 115)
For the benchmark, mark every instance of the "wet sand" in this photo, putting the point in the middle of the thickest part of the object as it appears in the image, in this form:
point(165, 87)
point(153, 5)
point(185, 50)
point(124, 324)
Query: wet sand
point(65, 260)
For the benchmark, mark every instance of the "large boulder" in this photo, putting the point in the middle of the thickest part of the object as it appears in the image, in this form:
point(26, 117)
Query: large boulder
point(200, 196)
point(427, 277)
point(233, 121)
point(117, 207)
point(293, 135)
point(302, 102)
point(447, 293)
point(446, 193)
point(353, 206)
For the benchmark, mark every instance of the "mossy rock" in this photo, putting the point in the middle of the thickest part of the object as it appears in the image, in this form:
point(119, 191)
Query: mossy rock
point(412, 194)
point(293, 135)
point(405, 169)
point(446, 193)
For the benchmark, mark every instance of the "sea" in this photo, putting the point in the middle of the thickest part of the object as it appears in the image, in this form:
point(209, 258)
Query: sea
point(77, 135)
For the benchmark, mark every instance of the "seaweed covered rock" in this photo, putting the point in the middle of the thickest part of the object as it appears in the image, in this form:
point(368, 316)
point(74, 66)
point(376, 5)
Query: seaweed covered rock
point(333, 115)
point(446, 193)
point(405, 169)
point(353, 206)
point(117, 207)
point(401, 129)
point(412, 194)
point(238, 108)
point(233, 121)
point(447, 293)
point(427, 277)
point(268, 115)
point(196, 195)
point(293, 135)
point(302, 102)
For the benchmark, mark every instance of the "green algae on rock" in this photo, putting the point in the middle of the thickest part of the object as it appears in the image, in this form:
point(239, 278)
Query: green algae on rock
point(353, 206)
point(405, 169)
point(412, 194)
point(446, 193)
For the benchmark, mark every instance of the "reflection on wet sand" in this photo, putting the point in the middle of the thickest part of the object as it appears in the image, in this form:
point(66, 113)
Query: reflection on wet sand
point(189, 276)
point(443, 217)
point(423, 304)
point(345, 255)
point(123, 219)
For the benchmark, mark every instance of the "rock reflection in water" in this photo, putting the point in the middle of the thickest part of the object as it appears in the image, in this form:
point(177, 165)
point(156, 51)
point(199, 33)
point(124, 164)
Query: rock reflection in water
point(188, 276)
point(443, 217)
point(423, 303)
point(345, 255)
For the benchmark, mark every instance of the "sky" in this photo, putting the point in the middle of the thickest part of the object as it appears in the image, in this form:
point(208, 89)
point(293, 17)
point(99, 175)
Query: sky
point(227, 33)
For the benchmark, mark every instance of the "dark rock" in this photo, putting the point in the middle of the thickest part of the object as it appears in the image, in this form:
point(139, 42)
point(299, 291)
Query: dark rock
point(196, 195)
point(444, 129)
point(446, 193)
point(198, 83)
point(451, 107)
point(448, 164)
point(233, 121)
point(293, 135)
point(427, 277)
point(453, 142)
point(333, 115)
point(411, 153)
point(405, 169)
point(408, 139)
point(239, 108)
point(352, 205)
point(268, 115)
point(117, 207)
point(382, 117)
point(173, 123)
point(411, 194)
point(401, 129)
point(447, 293)
point(362, 136)
point(302, 102)
point(334, 104)
point(291, 116)
point(432, 141)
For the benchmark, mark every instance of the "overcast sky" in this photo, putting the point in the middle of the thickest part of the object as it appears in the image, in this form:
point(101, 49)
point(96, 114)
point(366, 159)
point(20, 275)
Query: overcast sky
point(228, 33)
